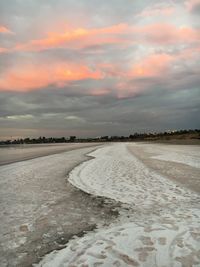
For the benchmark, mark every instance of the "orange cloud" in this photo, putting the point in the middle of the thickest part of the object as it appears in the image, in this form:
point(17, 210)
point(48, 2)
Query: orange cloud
point(26, 78)
point(153, 65)
point(122, 35)
point(76, 37)
point(3, 29)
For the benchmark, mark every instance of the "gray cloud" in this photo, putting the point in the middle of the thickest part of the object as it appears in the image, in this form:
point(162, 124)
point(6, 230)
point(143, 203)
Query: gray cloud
point(93, 107)
point(158, 110)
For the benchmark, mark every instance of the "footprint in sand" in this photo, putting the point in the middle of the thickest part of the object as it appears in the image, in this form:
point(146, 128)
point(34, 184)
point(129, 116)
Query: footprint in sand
point(23, 228)
point(146, 240)
point(162, 241)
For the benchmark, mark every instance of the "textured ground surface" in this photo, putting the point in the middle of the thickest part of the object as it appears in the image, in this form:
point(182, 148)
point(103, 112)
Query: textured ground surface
point(159, 222)
point(153, 187)
point(40, 211)
point(176, 162)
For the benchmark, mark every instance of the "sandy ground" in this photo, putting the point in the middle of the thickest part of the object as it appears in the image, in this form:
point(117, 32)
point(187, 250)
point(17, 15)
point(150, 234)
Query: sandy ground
point(159, 220)
point(181, 172)
point(40, 211)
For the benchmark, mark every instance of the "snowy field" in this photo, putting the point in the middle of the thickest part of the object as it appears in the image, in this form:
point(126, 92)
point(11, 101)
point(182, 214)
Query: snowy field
point(159, 221)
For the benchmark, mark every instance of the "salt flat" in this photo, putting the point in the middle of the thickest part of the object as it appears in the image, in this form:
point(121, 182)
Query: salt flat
point(159, 222)
point(39, 210)
point(139, 208)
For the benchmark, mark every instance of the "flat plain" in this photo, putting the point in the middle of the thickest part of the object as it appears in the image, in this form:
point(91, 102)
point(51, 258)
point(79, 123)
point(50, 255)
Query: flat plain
point(115, 204)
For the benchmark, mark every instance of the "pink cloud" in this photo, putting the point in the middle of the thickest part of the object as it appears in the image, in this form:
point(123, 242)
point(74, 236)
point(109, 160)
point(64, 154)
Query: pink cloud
point(151, 66)
point(157, 11)
point(29, 77)
point(192, 4)
point(144, 73)
point(156, 69)
point(4, 29)
point(160, 33)
point(165, 34)
point(3, 50)
point(99, 91)
point(76, 38)
point(137, 79)
point(122, 35)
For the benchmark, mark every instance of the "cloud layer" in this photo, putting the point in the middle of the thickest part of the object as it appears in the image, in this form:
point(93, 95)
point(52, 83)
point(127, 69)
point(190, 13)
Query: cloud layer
point(132, 63)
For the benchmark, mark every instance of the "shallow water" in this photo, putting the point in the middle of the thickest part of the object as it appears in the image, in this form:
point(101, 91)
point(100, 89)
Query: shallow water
point(15, 153)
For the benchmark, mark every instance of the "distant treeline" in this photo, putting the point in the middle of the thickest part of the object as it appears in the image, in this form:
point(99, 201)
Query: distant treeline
point(181, 134)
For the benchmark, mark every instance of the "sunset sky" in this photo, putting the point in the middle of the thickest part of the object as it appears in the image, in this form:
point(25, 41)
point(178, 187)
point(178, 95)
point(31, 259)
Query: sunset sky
point(92, 68)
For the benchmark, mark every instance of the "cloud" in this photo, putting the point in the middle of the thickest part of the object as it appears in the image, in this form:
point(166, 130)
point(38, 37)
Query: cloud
point(166, 34)
point(193, 5)
point(29, 77)
point(76, 38)
point(75, 119)
point(5, 30)
point(3, 50)
point(102, 115)
point(165, 71)
point(19, 117)
point(121, 35)
point(156, 11)
point(121, 79)
point(151, 66)
point(98, 67)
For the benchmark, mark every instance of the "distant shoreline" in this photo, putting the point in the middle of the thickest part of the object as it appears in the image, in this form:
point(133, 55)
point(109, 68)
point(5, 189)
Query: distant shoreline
point(183, 141)
point(177, 137)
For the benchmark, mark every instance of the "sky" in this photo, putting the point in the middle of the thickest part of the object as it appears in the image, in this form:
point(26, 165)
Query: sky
point(91, 68)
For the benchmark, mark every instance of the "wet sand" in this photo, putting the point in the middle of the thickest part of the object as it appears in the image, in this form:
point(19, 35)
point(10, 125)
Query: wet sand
point(15, 153)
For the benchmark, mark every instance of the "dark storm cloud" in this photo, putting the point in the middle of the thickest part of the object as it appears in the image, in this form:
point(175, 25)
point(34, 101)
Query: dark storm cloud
point(156, 111)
